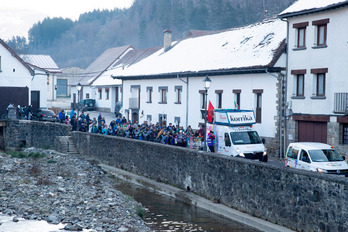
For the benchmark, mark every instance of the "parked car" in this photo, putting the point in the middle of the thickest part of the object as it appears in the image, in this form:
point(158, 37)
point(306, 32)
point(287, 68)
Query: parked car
point(317, 157)
point(44, 115)
point(86, 104)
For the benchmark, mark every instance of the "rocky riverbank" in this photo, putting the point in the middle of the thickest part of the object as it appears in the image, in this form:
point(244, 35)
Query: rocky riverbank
point(45, 185)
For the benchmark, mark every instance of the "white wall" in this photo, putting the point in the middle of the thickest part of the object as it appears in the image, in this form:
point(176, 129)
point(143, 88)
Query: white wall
point(39, 83)
point(85, 90)
point(104, 103)
point(171, 109)
point(15, 74)
point(334, 57)
point(246, 83)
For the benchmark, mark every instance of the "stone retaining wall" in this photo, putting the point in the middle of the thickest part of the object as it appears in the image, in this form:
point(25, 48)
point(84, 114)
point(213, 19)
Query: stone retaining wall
point(299, 200)
point(23, 133)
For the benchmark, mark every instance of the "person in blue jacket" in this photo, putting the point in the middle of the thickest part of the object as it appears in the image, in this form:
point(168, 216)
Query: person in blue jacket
point(211, 141)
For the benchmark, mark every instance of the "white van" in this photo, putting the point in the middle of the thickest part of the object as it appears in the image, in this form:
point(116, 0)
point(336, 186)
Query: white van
point(235, 135)
point(317, 157)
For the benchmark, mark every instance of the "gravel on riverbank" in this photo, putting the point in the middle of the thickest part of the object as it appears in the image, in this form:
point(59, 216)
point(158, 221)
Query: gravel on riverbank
point(45, 185)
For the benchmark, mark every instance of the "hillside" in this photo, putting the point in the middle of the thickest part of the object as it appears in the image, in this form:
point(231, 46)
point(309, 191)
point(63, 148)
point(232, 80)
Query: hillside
point(78, 43)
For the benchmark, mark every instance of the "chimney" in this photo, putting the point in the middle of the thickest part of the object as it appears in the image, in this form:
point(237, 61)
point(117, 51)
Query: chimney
point(167, 39)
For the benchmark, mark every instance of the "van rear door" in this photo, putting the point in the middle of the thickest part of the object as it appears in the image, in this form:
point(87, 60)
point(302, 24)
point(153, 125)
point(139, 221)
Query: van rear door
point(291, 157)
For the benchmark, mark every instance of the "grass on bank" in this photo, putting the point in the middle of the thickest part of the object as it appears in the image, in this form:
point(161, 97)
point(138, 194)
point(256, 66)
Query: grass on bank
point(24, 155)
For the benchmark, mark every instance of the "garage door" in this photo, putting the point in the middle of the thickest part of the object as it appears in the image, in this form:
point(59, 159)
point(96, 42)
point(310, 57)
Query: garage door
point(15, 95)
point(312, 131)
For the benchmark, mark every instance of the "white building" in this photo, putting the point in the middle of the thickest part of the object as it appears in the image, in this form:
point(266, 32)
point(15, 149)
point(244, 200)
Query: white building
point(244, 65)
point(19, 83)
point(317, 92)
point(45, 66)
point(114, 86)
point(92, 73)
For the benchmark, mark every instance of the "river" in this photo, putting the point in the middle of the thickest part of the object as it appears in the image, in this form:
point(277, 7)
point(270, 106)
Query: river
point(168, 214)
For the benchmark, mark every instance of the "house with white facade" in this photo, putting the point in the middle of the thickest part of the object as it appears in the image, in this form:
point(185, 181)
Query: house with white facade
point(19, 83)
point(105, 81)
point(92, 73)
point(45, 66)
point(245, 67)
point(317, 90)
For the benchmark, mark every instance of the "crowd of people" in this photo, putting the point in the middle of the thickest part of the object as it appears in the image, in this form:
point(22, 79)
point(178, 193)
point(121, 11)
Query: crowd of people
point(165, 134)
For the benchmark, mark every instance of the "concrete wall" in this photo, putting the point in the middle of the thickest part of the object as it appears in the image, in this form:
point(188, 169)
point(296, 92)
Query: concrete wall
point(299, 200)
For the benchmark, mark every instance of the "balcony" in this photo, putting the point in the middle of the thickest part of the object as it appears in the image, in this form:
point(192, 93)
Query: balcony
point(341, 103)
point(134, 103)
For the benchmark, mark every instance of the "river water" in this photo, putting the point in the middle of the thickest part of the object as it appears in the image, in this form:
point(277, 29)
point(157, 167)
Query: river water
point(162, 214)
point(168, 214)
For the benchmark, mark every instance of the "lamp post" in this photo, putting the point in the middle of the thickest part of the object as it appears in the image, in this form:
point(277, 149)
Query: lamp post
point(78, 87)
point(206, 83)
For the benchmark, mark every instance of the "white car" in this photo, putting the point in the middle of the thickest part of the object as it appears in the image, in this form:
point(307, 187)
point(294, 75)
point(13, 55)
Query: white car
point(317, 157)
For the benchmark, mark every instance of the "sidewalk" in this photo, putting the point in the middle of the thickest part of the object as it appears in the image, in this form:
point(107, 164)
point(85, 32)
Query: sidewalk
point(65, 103)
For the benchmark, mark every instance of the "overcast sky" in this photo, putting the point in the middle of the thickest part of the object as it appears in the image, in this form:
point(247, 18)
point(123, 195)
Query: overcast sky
point(18, 16)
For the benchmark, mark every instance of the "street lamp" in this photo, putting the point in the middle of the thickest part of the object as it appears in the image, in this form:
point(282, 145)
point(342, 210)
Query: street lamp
point(78, 87)
point(206, 83)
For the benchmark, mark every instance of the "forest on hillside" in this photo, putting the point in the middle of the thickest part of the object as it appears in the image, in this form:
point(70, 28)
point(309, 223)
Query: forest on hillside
point(78, 43)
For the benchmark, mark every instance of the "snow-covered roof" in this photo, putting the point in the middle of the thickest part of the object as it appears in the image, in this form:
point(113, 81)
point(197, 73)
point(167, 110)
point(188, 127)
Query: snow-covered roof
point(101, 64)
point(257, 45)
point(43, 62)
point(305, 6)
point(127, 60)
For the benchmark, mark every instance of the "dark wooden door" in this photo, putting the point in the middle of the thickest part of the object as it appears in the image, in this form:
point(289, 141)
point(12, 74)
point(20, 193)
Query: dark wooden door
point(35, 100)
point(312, 131)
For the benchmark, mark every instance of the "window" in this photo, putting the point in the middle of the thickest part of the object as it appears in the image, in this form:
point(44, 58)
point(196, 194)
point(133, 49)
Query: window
point(299, 82)
point(134, 101)
point(345, 134)
point(177, 120)
point(149, 118)
point(300, 34)
point(87, 95)
point(0, 63)
point(321, 32)
point(100, 93)
point(219, 98)
point(149, 94)
point(319, 80)
point(304, 156)
point(163, 94)
point(320, 84)
point(107, 92)
point(237, 93)
point(292, 153)
point(202, 97)
point(300, 85)
point(178, 91)
point(258, 104)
